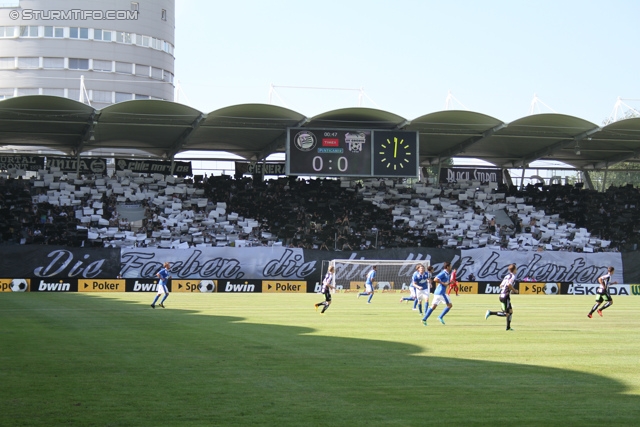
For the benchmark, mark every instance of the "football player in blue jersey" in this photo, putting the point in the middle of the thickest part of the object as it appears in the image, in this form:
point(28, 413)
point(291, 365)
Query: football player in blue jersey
point(368, 284)
point(440, 294)
point(163, 275)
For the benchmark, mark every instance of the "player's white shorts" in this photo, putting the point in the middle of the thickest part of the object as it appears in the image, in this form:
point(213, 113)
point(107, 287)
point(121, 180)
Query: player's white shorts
point(422, 294)
point(413, 292)
point(368, 287)
point(437, 299)
point(162, 289)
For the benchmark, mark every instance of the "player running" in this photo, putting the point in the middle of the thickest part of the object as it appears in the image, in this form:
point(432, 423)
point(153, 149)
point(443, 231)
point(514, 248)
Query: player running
point(327, 287)
point(421, 282)
point(603, 293)
point(412, 296)
point(368, 284)
point(506, 287)
point(440, 294)
point(163, 275)
point(453, 283)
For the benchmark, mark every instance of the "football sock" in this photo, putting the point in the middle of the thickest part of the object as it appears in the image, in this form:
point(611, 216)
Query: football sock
point(428, 313)
point(326, 306)
point(370, 296)
point(165, 297)
point(416, 303)
point(606, 305)
point(500, 313)
point(445, 311)
point(509, 321)
point(155, 300)
point(595, 307)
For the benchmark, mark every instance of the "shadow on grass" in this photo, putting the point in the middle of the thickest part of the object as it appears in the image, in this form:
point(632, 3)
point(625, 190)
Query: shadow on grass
point(71, 360)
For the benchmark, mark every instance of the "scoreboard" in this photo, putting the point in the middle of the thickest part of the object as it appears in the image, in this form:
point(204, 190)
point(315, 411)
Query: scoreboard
point(358, 153)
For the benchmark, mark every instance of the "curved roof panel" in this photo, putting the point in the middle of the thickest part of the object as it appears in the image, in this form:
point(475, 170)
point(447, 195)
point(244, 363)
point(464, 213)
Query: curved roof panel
point(616, 142)
point(46, 121)
point(540, 136)
point(448, 133)
point(247, 130)
point(356, 118)
point(153, 126)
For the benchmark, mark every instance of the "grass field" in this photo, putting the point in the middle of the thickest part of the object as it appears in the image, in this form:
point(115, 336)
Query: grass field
point(268, 359)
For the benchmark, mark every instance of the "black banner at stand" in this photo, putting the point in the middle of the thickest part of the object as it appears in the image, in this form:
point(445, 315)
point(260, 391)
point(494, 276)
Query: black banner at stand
point(58, 262)
point(155, 166)
point(21, 162)
point(260, 168)
point(451, 175)
point(96, 166)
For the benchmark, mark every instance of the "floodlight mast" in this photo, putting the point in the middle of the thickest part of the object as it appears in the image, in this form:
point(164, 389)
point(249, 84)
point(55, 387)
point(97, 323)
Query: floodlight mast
point(535, 105)
point(619, 114)
point(448, 103)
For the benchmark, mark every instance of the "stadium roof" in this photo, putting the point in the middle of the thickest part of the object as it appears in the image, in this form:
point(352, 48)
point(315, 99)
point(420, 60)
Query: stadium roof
point(163, 129)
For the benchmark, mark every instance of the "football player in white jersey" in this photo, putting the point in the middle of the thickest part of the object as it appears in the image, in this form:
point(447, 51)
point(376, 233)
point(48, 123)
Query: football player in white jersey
point(506, 288)
point(603, 293)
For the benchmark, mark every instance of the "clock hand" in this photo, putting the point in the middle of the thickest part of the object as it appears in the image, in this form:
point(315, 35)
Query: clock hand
point(395, 150)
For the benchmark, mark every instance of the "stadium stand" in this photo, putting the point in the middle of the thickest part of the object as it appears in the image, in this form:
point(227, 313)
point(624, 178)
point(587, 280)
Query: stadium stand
point(128, 210)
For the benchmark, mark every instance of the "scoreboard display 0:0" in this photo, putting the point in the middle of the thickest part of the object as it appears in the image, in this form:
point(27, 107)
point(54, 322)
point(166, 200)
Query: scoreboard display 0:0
point(322, 152)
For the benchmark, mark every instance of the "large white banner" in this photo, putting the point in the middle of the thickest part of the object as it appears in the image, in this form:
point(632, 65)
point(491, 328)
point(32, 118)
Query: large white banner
point(218, 263)
point(549, 266)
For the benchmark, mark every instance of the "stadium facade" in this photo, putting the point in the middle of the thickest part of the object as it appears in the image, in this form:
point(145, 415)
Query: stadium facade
point(98, 52)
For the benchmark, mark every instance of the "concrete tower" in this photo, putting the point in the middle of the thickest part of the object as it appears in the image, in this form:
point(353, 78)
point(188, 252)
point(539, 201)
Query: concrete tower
point(98, 52)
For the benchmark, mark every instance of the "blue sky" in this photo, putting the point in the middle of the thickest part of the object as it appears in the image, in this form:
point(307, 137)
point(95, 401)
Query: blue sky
point(406, 55)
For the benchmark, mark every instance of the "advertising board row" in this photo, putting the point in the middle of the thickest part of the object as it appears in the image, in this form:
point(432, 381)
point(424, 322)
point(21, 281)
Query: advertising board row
point(284, 286)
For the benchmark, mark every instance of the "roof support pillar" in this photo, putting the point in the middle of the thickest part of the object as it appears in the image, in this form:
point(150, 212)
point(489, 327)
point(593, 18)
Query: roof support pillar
point(184, 138)
point(604, 180)
point(586, 177)
point(507, 178)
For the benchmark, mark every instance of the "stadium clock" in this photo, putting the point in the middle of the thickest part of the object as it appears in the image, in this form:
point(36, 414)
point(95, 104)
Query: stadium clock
point(395, 154)
point(323, 152)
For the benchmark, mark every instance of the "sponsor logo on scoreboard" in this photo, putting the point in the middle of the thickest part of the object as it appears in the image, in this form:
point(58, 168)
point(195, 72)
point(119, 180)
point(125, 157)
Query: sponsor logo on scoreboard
point(355, 141)
point(305, 141)
point(330, 142)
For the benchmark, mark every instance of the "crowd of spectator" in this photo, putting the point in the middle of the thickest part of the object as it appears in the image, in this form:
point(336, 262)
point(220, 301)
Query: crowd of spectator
point(323, 214)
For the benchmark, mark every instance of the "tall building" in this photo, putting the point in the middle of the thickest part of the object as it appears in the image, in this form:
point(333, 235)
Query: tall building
point(99, 52)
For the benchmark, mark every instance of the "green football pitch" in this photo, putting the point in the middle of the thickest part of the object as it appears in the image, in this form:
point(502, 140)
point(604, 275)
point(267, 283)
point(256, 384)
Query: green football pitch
point(268, 359)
